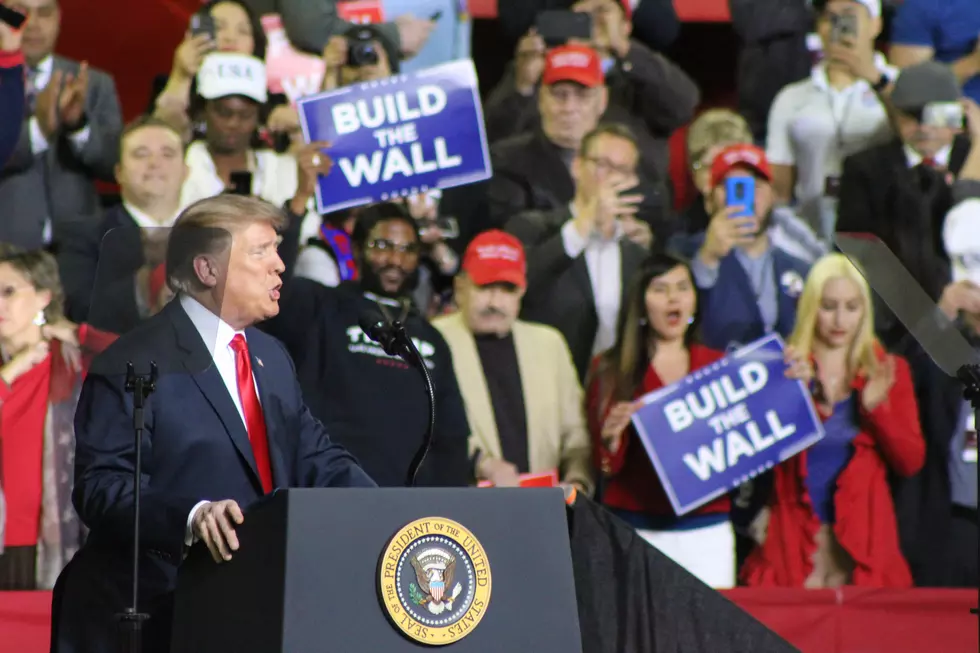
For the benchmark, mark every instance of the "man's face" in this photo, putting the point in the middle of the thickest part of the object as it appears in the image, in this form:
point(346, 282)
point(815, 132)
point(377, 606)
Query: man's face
point(231, 121)
point(151, 165)
point(249, 284)
point(924, 139)
point(390, 260)
point(380, 70)
point(608, 161)
point(490, 309)
point(569, 111)
point(41, 29)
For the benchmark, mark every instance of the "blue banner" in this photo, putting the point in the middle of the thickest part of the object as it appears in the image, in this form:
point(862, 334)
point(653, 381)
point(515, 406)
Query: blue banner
point(399, 136)
point(726, 423)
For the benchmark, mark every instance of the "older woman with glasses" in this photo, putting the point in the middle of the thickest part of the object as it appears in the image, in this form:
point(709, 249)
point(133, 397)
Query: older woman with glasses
point(44, 358)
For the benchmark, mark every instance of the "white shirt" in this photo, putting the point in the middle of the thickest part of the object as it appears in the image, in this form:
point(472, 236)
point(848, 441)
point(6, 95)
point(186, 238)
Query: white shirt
point(217, 335)
point(941, 158)
point(39, 144)
point(604, 261)
point(145, 221)
point(315, 264)
point(274, 179)
point(814, 127)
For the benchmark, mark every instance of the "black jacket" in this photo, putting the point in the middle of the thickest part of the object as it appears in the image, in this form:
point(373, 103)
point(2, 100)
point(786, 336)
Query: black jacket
point(559, 290)
point(904, 207)
point(372, 404)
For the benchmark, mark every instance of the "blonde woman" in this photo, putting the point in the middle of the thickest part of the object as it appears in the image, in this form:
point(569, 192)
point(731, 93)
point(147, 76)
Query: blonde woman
point(43, 361)
point(831, 520)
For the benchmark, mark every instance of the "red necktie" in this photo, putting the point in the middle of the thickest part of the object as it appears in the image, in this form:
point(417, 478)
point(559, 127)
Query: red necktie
point(929, 162)
point(254, 420)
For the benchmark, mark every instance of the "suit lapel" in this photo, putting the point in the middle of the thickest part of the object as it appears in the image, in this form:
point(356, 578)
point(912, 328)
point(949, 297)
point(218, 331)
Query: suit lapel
point(270, 406)
point(200, 364)
point(473, 386)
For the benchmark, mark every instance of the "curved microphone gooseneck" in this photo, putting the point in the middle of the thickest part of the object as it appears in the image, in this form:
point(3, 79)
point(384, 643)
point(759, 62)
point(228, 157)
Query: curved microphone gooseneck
point(396, 342)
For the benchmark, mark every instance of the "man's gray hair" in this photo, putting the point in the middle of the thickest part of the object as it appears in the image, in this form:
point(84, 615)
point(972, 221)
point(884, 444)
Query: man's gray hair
point(205, 228)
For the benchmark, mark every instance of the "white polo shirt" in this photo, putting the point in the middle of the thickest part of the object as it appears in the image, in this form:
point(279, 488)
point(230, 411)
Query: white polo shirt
point(814, 127)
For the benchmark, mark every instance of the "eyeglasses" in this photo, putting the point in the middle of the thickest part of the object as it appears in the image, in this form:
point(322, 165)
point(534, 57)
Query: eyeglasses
point(382, 245)
point(605, 165)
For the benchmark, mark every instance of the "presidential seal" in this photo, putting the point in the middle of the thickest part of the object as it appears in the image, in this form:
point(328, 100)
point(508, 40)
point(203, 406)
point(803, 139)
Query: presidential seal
point(435, 581)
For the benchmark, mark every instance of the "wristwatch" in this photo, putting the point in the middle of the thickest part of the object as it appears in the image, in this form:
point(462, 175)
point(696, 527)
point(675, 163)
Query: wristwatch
point(882, 83)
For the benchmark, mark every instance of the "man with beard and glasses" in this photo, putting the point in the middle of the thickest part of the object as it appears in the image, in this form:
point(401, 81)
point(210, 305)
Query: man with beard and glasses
point(522, 394)
point(373, 403)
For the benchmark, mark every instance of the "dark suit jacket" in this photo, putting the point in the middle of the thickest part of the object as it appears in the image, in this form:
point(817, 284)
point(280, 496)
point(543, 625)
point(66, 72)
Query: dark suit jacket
point(60, 183)
point(881, 195)
point(559, 290)
point(11, 102)
point(195, 447)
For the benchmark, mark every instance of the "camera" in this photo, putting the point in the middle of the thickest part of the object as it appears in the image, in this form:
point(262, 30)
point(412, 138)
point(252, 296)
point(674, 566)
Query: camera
point(361, 49)
point(943, 114)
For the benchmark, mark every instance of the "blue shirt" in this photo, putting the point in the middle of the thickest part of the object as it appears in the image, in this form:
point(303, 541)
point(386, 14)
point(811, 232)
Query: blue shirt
point(827, 458)
point(949, 27)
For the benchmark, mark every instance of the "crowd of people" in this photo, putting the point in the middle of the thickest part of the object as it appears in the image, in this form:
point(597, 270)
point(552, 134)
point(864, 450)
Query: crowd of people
point(564, 288)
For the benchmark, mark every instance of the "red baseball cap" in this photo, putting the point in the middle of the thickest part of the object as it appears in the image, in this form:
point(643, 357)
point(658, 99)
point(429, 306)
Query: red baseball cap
point(496, 257)
point(734, 156)
point(573, 63)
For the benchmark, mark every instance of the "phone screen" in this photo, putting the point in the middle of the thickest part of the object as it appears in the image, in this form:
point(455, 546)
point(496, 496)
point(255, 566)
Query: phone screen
point(241, 183)
point(740, 193)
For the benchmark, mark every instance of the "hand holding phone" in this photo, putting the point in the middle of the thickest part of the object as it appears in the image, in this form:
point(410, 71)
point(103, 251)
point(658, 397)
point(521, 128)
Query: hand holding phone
point(202, 24)
point(558, 27)
point(948, 115)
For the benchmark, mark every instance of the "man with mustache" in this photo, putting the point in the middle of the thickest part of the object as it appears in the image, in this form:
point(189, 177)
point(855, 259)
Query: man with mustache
point(522, 395)
point(373, 403)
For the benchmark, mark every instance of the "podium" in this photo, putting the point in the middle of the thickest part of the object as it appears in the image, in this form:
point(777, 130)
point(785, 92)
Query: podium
point(464, 570)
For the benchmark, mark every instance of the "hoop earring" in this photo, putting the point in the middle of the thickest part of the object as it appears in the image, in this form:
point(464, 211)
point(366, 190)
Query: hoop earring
point(39, 319)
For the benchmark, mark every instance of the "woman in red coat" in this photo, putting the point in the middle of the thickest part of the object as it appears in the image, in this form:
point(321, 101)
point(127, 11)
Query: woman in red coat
point(43, 362)
point(831, 521)
point(655, 346)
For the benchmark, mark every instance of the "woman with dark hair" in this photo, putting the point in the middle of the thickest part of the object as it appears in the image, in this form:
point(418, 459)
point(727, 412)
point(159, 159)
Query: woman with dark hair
point(656, 346)
point(237, 30)
point(44, 358)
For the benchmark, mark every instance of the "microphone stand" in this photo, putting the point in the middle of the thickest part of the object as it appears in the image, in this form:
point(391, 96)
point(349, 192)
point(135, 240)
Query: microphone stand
point(131, 620)
point(969, 376)
point(415, 358)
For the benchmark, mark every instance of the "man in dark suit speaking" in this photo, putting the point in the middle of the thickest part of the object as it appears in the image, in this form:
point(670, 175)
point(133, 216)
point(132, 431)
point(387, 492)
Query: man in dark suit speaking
point(225, 425)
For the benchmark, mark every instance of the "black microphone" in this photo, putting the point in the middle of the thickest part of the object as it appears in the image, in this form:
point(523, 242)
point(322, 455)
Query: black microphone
point(385, 334)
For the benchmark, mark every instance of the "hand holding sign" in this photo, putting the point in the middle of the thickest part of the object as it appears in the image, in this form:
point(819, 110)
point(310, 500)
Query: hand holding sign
point(615, 425)
point(311, 162)
point(880, 381)
point(799, 366)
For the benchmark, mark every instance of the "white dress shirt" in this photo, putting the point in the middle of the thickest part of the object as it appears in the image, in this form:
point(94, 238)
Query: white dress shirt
point(145, 221)
point(217, 335)
point(604, 261)
point(941, 158)
point(39, 144)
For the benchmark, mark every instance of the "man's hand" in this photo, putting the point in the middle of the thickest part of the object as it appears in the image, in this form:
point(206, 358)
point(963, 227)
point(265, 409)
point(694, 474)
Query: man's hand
point(335, 54)
point(615, 27)
point(859, 58)
point(971, 112)
point(637, 231)
point(960, 296)
point(499, 472)
point(311, 162)
point(413, 32)
point(214, 524)
point(528, 62)
point(724, 233)
point(46, 105)
point(602, 209)
point(71, 101)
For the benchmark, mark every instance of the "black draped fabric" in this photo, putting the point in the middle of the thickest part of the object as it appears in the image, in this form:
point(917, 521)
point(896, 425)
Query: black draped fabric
point(634, 599)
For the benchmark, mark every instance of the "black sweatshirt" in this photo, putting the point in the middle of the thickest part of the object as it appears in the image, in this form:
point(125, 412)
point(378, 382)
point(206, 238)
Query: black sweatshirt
point(371, 403)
